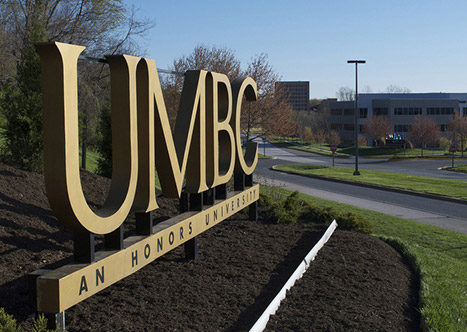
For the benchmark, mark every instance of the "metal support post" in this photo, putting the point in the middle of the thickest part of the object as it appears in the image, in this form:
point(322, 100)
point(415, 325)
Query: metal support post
point(221, 191)
point(253, 211)
point(144, 223)
point(249, 180)
point(114, 240)
point(83, 247)
point(191, 246)
point(56, 321)
point(209, 196)
point(239, 181)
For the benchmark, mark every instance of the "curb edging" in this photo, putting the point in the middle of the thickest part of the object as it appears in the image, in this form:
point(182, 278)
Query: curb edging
point(375, 186)
point(262, 321)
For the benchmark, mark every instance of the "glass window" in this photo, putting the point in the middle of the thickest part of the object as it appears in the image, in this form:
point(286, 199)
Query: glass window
point(363, 113)
point(336, 126)
point(336, 112)
point(348, 126)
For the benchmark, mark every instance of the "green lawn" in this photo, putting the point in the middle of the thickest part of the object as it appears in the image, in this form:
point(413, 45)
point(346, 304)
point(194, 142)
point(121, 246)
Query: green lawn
point(439, 255)
point(365, 151)
point(460, 168)
point(321, 149)
point(392, 152)
point(91, 160)
point(451, 188)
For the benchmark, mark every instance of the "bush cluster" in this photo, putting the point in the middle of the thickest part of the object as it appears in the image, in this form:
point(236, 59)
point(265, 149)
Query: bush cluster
point(293, 209)
point(8, 323)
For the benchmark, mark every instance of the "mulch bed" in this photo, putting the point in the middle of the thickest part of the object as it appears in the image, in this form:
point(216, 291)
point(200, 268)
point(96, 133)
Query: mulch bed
point(357, 282)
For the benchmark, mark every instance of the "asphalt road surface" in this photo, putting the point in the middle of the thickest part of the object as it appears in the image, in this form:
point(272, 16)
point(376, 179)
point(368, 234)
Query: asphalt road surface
point(415, 167)
point(435, 212)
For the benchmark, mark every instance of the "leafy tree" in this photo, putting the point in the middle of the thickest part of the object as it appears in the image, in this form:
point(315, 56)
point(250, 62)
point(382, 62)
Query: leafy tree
point(423, 131)
point(308, 134)
point(314, 102)
point(22, 107)
point(444, 143)
point(104, 163)
point(103, 26)
point(377, 128)
point(458, 128)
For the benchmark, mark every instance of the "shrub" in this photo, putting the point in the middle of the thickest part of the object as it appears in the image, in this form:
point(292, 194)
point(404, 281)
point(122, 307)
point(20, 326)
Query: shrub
point(444, 143)
point(293, 209)
point(7, 322)
point(355, 222)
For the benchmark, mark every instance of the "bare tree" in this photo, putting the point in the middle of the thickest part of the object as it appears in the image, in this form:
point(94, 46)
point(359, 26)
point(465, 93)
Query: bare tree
point(367, 89)
point(345, 94)
point(458, 128)
point(423, 131)
point(397, 89)
point(320, 136)
point(333, 138)
point(269, 115)
point(219, 60)
point(377, 128)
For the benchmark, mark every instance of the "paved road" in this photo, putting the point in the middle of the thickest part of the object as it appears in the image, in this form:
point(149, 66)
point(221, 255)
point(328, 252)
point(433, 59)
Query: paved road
point(443, 214)
point(415, 167)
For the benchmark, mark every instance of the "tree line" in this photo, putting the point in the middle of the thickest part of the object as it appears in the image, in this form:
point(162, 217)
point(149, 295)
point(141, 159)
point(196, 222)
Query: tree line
point(105, 27)
point(422, 131)
point(102, 26)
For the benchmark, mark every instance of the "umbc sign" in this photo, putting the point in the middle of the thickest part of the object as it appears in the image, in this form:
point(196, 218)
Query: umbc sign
point(203, 153)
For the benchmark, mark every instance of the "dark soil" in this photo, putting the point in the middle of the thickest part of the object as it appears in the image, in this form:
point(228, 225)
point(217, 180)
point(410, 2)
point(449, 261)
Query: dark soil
point(357, 282)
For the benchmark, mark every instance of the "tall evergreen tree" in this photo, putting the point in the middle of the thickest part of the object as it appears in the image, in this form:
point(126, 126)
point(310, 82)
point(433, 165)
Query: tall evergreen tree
point(22, 108)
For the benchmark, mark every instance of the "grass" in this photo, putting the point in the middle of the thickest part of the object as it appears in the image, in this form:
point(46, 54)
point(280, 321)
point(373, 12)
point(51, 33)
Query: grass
point(424, 184)
point(460, 168)
point(313, 148)
point(439, 255)
point(365, 151)
point(392, 152)
point(91, 160)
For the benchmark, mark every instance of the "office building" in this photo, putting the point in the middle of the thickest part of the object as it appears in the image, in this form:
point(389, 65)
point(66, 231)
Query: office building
point(400, 108)
point(297, 92)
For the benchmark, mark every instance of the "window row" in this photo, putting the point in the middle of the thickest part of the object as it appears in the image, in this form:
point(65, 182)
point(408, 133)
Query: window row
point(349, 112)
point(380, 111)
point(346, 127)
point(401, 128)
point(439, 110)
point(340, 126)
point(407, 111)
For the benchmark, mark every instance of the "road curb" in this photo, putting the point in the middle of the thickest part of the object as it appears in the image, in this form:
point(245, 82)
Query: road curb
point(375, 186)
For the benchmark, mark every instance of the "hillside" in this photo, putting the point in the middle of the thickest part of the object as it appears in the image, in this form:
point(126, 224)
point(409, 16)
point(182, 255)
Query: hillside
point(357, 283)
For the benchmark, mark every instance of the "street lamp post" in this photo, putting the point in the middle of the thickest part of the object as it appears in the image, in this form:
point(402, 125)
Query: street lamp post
point(356, 113)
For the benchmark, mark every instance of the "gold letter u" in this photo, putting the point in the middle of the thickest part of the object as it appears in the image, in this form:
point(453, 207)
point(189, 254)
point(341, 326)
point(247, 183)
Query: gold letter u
point(61, 141)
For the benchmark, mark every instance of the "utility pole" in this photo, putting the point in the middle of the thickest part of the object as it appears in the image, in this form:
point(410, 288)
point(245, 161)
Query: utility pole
point(356, 113)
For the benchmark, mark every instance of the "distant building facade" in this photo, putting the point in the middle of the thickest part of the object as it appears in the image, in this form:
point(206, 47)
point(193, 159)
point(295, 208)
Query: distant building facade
point(297, 92)
point(400, 108)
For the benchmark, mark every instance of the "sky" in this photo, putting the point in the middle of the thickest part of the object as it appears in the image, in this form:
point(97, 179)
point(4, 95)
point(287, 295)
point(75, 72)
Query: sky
point(415, 44)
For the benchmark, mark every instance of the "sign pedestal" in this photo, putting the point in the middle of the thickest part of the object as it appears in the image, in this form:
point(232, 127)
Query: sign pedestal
point(114, 240)
point(83, 247)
